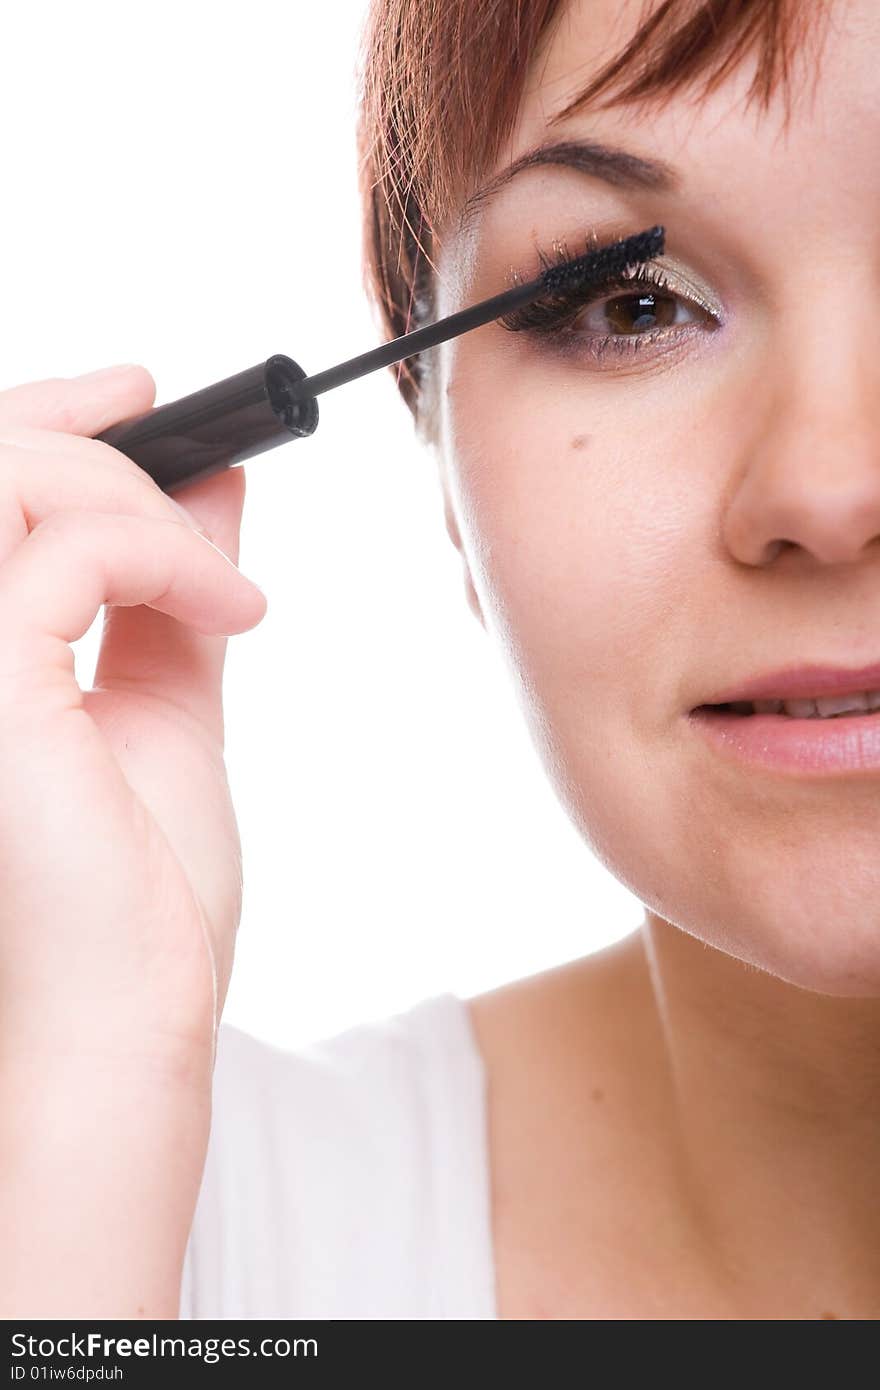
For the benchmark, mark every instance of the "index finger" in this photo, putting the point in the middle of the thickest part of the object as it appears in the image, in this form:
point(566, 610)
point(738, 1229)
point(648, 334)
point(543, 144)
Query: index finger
point(84, 405)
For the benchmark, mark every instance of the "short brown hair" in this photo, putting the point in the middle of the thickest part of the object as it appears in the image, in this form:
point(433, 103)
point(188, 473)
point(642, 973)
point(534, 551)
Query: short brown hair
point(440, 83)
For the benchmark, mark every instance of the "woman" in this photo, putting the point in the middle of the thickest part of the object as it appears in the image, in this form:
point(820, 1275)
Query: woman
point(667, 502)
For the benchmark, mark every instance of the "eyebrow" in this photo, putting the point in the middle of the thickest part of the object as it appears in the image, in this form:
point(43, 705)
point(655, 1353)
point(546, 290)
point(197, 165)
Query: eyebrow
point(615, 166)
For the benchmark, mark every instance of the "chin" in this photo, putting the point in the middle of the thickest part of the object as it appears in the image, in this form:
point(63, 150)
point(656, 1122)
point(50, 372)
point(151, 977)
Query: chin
point(839, 959)
point(811, 914)
point(851, 974)
point(826, 947)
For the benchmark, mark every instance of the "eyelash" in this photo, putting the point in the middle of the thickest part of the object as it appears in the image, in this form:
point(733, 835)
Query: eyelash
point(549, 317)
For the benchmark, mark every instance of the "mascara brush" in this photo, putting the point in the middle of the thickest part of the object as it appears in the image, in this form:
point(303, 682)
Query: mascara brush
point(275, 401)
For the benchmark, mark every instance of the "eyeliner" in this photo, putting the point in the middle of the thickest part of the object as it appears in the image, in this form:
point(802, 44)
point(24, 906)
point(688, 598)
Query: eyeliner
point(274, 401)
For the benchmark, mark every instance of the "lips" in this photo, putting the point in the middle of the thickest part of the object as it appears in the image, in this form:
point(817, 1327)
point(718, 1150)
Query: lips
point(799, 683)
point(795, 748)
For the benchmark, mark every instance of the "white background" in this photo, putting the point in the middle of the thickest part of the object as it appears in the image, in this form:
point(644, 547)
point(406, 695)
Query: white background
point(180, 190)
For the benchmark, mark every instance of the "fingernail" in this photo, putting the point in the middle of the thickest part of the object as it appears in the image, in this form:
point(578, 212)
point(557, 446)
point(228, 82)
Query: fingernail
point(119, 368)
point(188, 517)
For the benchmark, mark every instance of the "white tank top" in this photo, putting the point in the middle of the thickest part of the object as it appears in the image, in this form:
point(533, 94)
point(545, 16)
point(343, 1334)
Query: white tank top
point(349, 1178)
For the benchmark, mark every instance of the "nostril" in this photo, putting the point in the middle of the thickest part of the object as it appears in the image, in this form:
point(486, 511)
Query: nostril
point(775, 548)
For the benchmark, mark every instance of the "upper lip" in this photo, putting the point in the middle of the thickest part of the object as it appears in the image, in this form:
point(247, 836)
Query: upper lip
point(801, 683)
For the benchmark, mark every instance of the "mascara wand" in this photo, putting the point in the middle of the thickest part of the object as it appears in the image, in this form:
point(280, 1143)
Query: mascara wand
point(275, 401)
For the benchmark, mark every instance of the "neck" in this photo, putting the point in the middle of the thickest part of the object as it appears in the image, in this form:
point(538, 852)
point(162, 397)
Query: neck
point(773, 1099)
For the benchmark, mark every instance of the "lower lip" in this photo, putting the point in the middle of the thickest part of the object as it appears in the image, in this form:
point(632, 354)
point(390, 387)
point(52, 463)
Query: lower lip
point(782, 743)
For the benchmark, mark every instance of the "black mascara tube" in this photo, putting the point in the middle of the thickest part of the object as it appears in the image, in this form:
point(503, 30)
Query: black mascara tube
point(221, 425)
point(275, 401)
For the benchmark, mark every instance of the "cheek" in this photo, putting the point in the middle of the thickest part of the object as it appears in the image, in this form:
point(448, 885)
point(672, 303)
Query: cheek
point(570, 535)
point(578, 527)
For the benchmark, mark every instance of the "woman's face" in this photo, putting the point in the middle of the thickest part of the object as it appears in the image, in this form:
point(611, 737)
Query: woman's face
point(618, 515)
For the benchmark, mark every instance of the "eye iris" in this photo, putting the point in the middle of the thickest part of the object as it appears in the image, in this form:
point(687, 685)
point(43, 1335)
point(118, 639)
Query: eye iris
point(653, 310)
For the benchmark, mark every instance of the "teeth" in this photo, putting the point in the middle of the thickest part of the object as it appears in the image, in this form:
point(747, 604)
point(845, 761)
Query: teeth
point(801, 709)
point(840, 704)
point(823, 707)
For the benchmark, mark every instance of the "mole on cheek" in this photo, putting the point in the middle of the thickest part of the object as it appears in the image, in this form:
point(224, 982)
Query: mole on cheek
point(580, 441)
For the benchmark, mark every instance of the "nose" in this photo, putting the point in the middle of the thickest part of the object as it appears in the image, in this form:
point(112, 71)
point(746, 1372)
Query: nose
point(808, 478)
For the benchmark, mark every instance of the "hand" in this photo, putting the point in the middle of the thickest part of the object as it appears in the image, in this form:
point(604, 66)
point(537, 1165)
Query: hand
point(120, 864)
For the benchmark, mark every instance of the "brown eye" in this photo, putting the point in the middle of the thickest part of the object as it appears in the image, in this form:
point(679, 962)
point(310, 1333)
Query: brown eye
point(646, 312)
point(631, 314)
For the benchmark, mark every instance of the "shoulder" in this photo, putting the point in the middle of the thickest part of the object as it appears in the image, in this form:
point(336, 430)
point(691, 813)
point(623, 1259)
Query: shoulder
point(332, 1169)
